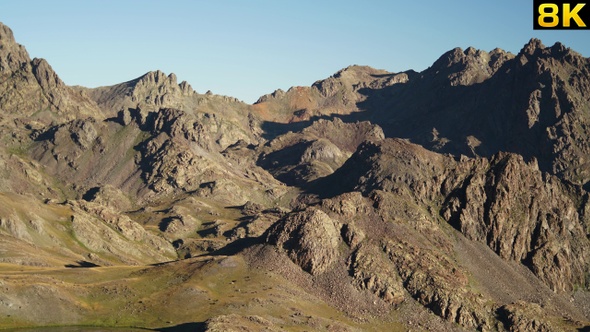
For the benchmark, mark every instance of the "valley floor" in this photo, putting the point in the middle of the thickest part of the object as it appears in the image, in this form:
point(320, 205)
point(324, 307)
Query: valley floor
point(218, 293)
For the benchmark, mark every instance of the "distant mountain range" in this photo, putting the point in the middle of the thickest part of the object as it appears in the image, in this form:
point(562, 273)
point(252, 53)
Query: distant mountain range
point(449, 199)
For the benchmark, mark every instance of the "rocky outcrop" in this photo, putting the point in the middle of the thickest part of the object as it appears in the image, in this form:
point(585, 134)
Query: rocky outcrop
point(316, 151)
point(109, 196)
point(468, 67)
point(310, 238)
point(385, 256)
point(523, 216)
point(521, 317)
point(31, 91)
point(155, 88)
point(393, 165)
point(179, 222)
point(346, 136)
point(506, 203)
point(340, 94)
point(183, 153)
point(346, 86)
point(439, 284)
point(373, 271)
point(13, 56)
point(152, 91)
point(106, 232)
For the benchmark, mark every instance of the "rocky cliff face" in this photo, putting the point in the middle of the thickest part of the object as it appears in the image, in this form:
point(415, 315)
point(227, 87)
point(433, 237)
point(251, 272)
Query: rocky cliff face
point(32, 91)
point(470, 102)
point(450, 199)
point(399, 246)
point(152, 90)
point(526, 216)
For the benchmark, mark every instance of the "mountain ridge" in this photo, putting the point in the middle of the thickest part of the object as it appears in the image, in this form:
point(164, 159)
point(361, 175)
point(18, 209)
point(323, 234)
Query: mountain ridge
point(450, 199)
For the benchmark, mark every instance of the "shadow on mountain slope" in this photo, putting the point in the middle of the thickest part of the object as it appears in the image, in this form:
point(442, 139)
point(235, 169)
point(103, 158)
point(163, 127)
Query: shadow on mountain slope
point(532, 105)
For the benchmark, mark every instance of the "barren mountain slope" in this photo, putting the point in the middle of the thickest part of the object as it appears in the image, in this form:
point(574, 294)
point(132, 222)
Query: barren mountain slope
point(522, 216)
point(112, 163)
point(475, 103)
point(147, 204)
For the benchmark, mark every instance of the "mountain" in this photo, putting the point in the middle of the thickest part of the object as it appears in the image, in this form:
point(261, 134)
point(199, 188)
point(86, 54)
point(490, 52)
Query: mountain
point(474, 103)
point(449, 199)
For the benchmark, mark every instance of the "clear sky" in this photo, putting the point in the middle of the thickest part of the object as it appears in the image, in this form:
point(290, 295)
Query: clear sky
point(247, 48)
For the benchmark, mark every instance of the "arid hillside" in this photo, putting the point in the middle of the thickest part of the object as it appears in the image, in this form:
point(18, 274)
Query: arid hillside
point(452, 199)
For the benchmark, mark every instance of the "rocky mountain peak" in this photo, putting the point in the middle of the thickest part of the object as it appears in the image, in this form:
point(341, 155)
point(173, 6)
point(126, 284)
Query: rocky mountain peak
point(350, 80)
point(470, 66)
point(358, 70)
point(535, 49)
point(340, 93)
point(157, 81)
point(12, 55)
point(45, 74)
point(278, 93)
point(31, 87)
point(154, 89)
point(349, 76)
point(532, 46)
point(156, 77)
point(450, 58)
point(6, 36)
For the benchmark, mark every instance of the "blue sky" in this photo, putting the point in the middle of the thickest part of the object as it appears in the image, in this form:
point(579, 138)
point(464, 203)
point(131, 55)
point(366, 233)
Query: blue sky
point(249, 48)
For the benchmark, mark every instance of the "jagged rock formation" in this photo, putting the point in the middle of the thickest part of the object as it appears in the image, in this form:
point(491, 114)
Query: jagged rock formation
point(339, 94)
point(450, 199)
point(121, 147)
point(399, 247)
point(153, 89)
point(525, 317)
point(526, 217)
point(310, 238)
point(473, 103)
point(316, 151)
point(32, 91)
